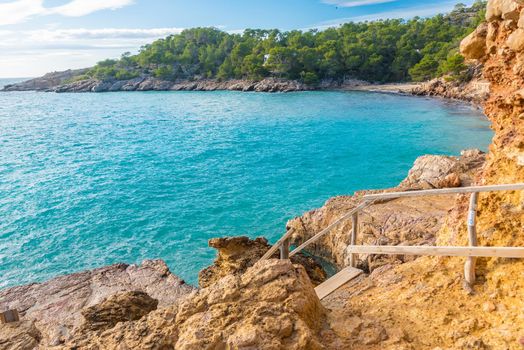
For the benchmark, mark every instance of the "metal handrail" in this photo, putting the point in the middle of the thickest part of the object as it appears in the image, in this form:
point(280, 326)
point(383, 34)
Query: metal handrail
point(370, 199)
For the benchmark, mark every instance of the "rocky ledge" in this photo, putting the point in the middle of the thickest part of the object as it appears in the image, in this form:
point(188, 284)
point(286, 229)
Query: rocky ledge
point(55, 310)
point(236, 254)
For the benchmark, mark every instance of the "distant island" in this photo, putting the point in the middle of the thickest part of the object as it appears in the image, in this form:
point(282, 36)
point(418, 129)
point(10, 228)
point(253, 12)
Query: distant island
point(392, 50)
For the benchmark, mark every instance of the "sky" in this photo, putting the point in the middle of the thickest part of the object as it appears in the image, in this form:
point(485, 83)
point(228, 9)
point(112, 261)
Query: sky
point(40, 36)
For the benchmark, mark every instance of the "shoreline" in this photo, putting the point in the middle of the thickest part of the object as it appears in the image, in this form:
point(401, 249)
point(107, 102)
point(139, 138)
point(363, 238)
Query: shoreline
point(447, 92)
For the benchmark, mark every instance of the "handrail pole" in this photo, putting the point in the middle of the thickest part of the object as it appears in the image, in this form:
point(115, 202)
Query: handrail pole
point(284, 249)
point(353, 241)
point(277, 245)
point(442, 191)
point(359, 207)
point(469, 266)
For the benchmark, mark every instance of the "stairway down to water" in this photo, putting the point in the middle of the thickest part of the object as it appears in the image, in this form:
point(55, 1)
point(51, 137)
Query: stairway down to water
point(336, 281)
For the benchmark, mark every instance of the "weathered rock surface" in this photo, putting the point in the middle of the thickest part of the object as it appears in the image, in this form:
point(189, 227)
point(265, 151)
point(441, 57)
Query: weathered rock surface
point(19, 336)
point(442, 171)
point(236, 254)
point(406, 221)
point(474, 45)
point(120, 307)
point(475, 91)
point(271, 306)
point(56, 306)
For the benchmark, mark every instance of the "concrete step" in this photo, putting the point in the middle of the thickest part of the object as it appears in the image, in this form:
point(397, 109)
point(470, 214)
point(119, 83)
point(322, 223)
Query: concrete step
point(336, 281)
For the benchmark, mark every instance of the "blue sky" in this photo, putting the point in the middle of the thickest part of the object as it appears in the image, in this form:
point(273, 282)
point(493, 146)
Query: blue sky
point(38, 36)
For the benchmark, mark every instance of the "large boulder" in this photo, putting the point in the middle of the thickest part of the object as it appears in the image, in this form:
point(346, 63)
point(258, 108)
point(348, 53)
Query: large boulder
point(474, 45)
point(432, 171)
point(516, 40)
point(502, 9)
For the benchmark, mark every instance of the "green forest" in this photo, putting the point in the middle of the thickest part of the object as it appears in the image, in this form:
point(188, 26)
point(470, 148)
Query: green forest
point(392, 50)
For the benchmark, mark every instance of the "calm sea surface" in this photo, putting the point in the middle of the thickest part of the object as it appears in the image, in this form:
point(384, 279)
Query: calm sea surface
point(93, 179)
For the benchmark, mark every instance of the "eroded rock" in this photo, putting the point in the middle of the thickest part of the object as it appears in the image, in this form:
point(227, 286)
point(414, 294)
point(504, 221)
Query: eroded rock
point(474, 45)
point(120, 307)
point(19, 336)
point(271, 306)
point(56, 306)
point(236, 254)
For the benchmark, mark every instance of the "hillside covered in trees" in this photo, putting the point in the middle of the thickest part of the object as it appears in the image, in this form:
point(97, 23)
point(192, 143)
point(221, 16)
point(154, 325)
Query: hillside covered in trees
point(379, 51)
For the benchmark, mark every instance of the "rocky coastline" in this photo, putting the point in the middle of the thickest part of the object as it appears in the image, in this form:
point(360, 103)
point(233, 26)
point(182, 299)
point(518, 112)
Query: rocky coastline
point(474, 91)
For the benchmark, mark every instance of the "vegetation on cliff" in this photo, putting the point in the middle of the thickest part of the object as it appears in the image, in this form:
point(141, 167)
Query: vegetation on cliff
point(382, 51)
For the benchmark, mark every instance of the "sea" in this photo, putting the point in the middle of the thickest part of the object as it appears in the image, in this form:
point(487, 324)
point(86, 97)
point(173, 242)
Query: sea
point(91, 179)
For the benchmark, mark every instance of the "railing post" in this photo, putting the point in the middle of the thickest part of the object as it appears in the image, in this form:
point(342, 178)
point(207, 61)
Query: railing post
point(469, 266)
point(353, 241)
point(284, 249)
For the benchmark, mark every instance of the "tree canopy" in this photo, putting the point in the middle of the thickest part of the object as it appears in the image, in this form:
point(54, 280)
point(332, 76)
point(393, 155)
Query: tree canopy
point(380, 51)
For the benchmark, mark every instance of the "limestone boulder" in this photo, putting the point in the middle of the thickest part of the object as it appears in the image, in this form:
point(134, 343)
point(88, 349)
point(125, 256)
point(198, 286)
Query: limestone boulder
point(474, 45)
point(502, 9)
point(432, 171)
point(516, 40)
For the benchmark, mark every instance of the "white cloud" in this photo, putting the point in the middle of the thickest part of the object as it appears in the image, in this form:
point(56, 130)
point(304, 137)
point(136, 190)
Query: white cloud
point(102, 34)
point(355, 3)
point(404, 13)
point(36, 52)
point(21, 10)
point(77, 8)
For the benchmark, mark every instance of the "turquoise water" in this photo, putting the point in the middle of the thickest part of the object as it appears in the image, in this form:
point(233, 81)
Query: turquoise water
point(92, 179)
